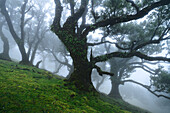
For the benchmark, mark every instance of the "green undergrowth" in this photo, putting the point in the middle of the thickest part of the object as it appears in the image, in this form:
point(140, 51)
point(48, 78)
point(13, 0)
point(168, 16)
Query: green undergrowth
point(25, 89)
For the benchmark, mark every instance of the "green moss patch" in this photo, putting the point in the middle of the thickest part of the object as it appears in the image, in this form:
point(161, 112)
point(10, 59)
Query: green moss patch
point(25, 89)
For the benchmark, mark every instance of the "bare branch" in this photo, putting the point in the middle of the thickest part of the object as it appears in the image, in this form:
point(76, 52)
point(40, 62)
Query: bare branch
point(148, 62)
point(22, 24)
point(58, 68)
point(128, 55)
point(166, 30)
point(143, 66)
point(9, 22)
point(58, 11)
point(72, 4)
point(102, 72)
point(159, 90)
point(28, 19)
point(61, 62)
point(146, 87)
point(95, 15)
point(95, 44)
point(38, 63)
point(134, 5)
point(83, 24)
point(149, 71)
point(149, 42)
point(72, 20)
point(29, 9)
point(122, 48)
point(158, 25)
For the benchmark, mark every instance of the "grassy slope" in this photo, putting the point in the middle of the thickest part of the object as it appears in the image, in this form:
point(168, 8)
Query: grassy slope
point(28, 89)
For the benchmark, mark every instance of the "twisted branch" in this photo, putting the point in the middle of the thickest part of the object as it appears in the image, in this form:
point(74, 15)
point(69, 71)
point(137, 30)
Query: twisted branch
point(146, 87)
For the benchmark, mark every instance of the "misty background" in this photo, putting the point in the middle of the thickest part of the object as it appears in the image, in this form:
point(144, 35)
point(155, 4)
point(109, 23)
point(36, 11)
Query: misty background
point(53, 56)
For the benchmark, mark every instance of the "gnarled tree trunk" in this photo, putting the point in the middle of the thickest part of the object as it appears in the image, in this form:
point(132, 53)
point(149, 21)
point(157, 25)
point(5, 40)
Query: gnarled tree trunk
point(82, 75)
point(77, 47)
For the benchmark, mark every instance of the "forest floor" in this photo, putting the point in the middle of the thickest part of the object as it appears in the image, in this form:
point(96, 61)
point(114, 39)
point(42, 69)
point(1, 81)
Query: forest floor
point(25, 89)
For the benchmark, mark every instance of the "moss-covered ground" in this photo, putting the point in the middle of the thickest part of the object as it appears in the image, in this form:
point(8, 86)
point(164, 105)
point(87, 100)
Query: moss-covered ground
point(25, 89)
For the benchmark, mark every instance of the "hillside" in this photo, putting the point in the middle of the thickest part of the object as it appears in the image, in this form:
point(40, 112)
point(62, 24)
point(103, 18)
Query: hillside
point(28, 89)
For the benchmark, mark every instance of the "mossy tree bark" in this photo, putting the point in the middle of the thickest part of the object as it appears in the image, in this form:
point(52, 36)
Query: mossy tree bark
point(77, 47)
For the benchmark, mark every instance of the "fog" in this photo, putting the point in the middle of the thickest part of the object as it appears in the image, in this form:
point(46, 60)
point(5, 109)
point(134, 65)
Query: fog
point(54, 57)
point(139, 96)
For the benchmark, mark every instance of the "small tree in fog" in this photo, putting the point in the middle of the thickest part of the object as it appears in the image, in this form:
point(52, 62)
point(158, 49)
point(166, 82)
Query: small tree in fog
point(18, 39)
point(28, 27)
point(5, 53)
